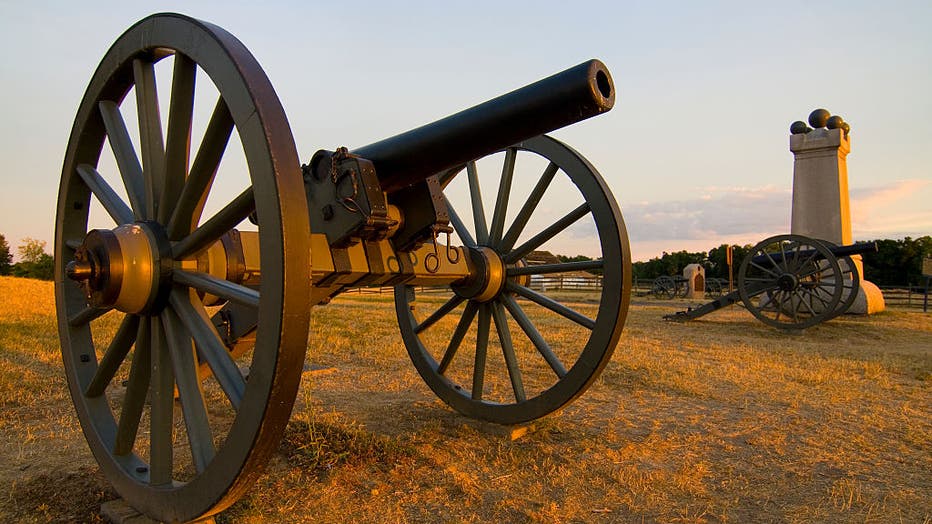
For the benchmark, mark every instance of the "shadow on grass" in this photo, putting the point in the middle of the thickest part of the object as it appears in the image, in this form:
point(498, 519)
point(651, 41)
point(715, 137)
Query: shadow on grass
point(59, 497)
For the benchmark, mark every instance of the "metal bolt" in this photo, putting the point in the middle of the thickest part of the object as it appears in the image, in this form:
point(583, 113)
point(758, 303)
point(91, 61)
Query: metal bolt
point(328, 212)
point(85, 358)
point(79, 270)
point(141, 469)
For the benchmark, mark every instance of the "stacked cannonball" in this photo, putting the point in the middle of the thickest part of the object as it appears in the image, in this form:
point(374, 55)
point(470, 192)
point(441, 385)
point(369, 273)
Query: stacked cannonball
point(818, 119)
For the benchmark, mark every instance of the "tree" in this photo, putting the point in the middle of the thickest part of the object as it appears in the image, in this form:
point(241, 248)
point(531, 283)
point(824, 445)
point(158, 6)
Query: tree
point(897, 262)
point(717, 266)
point(6, 258)
point(668, 264)
point(34, 261)
point(31, 250)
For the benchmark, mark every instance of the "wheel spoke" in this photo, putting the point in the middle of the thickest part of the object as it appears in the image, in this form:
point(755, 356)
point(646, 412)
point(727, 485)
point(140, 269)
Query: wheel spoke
point(113, 204)
point(785, 267)
point(211, 231)
point(478, 212)
point(445, 309)
point(150, 135)
point(813, 253)
point(817, 269)
point(193, 406)
point(447, 176)
point(114, 356)
point(544, 269)
point(550, 304)
point(794, 300)
point(537, 240)
point(504, 191)
point(508, 350)
point(460, 227)
point(218, 287)
point(162, 398)
point(125, 155)
point(178, 136)
point(809, 305)
point(134, 400)
point(521, 220)
point(528, 327)
point(209, 345)
point(778, 304)
point(817, 292)
point(87, 315)
point(187, 212)
point(469, 313)
point(773, 260)
point(765, 270)
point(482, 346)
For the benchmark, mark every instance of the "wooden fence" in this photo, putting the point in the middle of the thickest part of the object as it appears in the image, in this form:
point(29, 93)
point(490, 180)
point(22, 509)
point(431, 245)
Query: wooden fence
point(900, 297)
point(907, 297)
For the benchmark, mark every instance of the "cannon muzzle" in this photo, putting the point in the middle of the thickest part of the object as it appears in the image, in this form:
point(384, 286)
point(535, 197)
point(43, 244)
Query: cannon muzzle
point(570, 96)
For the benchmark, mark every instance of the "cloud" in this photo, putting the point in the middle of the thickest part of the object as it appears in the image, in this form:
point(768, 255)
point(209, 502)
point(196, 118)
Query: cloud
point(889, 210)
point(747, 215)
point(715, 213)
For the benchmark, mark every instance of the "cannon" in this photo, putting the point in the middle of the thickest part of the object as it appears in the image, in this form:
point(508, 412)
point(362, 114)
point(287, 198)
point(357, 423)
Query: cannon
point(667, 287)
point(189, 252)
point(792, 282)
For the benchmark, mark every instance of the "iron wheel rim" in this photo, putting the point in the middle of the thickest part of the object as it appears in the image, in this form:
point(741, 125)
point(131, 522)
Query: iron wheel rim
point(277, 195)
point(608, 323)
point(807, 261)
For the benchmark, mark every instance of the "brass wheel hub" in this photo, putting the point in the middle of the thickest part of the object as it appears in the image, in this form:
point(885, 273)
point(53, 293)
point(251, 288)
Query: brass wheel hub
point(487, 277)
point(127, 268)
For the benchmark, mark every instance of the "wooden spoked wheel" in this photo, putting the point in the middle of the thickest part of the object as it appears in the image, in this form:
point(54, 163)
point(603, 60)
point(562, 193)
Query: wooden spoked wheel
point(664, 287)
point(549, 343)
point(714, 287)
point(133, 329)
point(791, 282)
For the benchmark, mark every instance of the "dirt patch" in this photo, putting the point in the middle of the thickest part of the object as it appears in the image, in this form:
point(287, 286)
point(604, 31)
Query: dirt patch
point(61, 496)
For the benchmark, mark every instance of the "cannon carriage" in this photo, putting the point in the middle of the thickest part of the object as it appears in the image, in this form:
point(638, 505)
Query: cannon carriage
point(184, 318)
point(792, 282)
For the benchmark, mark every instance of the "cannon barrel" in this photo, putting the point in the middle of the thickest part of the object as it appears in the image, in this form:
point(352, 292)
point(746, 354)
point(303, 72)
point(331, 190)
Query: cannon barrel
point(839, 251)
point(578, 93)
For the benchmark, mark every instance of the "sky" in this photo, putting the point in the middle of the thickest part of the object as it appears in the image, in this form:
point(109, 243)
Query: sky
point(695, 150)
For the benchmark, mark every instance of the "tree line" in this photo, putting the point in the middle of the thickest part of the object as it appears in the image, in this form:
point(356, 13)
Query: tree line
point(34, 262)
point(896, 262)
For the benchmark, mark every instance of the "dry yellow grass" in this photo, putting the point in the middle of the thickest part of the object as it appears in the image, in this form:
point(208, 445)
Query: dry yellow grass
point(723, 419)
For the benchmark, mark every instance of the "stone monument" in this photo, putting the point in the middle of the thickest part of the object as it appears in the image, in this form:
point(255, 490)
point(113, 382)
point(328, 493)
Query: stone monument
point(821, 207)
point(695, 281)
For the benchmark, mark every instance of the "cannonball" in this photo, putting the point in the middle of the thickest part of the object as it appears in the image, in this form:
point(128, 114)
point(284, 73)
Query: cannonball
point(834, 122)
point(799, 128)
point(818, 118)
point(846, 128)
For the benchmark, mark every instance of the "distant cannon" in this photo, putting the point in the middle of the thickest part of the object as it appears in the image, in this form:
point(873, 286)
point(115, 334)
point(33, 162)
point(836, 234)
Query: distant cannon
point(792, 282)
point(204, 316)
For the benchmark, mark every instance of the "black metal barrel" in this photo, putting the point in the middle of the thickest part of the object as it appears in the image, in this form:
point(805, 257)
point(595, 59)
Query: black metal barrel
point(570, 96)
point(859, 248)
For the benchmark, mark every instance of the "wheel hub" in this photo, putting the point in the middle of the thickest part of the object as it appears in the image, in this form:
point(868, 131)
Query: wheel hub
point(787, 282)
point(487, 278)
point(127, 268)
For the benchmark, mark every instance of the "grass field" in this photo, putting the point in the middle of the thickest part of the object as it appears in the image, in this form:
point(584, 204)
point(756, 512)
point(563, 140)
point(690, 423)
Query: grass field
point(723, 419)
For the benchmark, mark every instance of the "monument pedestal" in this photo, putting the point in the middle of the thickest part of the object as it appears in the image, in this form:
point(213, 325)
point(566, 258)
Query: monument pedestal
point(821, 207)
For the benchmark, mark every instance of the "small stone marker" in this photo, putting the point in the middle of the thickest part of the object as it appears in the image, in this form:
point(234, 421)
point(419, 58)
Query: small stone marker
point(695, 281)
